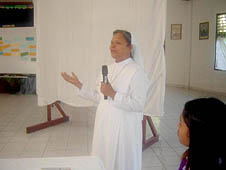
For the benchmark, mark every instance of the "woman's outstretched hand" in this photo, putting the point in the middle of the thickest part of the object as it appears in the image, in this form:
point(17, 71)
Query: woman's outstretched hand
point(72, 79)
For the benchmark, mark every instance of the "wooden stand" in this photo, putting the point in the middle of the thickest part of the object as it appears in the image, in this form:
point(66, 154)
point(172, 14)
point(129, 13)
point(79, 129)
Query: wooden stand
point(49, 121)
point(154, 138)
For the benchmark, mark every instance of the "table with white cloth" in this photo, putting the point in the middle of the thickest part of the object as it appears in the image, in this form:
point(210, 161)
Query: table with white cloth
point(74, 163)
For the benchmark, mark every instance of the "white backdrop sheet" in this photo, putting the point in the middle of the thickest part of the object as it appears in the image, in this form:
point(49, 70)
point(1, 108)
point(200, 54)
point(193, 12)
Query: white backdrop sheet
point(74, 36)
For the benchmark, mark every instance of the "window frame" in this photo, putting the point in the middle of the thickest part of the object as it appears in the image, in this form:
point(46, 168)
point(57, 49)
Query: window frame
point(216, 36)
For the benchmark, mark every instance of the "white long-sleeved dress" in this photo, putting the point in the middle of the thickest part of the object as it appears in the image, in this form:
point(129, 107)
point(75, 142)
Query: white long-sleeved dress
point(117, 137)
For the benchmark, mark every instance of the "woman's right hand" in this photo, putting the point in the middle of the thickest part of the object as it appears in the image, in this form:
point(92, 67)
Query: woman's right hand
point(72, 79)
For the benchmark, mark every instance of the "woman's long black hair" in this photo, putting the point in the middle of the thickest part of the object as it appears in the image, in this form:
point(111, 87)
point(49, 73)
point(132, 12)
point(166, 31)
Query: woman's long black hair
point(206, 120)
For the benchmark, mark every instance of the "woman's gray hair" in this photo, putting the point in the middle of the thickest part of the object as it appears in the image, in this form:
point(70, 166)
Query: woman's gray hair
point(126, 35)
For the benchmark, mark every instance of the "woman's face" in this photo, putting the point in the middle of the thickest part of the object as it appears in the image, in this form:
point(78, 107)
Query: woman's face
point(120, 50)
point(183, 132)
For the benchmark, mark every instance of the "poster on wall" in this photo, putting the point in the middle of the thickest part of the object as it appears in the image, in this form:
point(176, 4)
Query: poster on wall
point(176, 31)
point(204, 31)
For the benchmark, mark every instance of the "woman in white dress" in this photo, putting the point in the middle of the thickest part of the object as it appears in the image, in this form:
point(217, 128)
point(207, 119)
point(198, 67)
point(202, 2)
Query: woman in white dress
point(117, 137)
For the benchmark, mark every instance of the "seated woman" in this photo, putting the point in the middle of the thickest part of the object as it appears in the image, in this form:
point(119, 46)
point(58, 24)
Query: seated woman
point(202, 129)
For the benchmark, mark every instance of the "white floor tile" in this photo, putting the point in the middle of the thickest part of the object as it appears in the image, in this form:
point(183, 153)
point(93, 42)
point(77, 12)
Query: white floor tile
point(154, 168)
point(149, 159)
point(31, 154)
point(13, 147)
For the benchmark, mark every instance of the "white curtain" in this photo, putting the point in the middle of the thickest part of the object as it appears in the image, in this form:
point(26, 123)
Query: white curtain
point(74, 36)
point(221, 53)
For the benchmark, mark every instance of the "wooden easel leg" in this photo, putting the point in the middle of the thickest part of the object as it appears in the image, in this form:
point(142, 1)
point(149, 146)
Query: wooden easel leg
point(49, 121)
point(154, 138)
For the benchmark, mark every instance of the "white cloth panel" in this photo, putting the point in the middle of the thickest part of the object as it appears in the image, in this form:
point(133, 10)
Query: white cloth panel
point(74, 35)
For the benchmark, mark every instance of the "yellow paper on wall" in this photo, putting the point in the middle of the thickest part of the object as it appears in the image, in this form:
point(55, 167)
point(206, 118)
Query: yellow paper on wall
point(7, 46)
point(32, 54)
point(6, 54)
point(1, 42)
point(15, 50)
point(15, 45)
point(32, 46)
point(16, 54)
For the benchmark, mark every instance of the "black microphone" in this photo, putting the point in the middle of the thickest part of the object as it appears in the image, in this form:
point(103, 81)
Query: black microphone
point(105, 76)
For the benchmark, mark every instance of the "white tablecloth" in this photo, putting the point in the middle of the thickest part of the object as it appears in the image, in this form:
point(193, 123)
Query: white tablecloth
point(75, 163)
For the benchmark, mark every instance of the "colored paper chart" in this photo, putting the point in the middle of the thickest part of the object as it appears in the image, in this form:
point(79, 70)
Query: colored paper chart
point(18, 46)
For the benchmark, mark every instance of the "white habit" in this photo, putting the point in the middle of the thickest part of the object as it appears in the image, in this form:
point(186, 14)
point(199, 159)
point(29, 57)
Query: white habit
point(117, 138)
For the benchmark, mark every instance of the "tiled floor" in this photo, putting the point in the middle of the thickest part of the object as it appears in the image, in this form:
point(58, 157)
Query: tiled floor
point(74, 137)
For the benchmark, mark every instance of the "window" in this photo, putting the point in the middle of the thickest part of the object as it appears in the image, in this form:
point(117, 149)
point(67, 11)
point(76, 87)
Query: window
point(16, 14)
point(220, 50)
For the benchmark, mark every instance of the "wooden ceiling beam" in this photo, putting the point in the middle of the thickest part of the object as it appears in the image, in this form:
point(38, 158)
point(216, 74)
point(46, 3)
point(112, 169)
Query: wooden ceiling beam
point(16, 3)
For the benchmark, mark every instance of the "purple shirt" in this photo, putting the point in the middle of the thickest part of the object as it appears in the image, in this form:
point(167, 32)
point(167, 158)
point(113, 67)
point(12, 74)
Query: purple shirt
point(183, 164)
point(185, 160)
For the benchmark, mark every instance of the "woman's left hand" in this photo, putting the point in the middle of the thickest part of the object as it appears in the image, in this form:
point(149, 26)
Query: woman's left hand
point(107, 90)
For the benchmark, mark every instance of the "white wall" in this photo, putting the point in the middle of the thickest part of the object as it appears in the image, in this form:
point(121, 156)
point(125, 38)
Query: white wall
point(190, 61)
point(203, 75)
point(178, 51)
